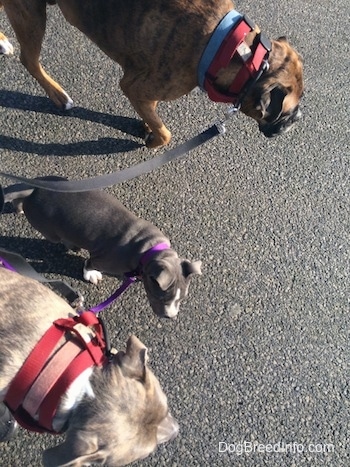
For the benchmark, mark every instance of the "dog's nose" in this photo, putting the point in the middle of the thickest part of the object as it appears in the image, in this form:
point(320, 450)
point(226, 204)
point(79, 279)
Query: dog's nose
point(283, 124)
point(269, 130)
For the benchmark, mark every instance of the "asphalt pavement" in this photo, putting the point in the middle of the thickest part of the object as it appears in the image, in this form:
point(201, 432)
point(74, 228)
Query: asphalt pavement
point(256, 367)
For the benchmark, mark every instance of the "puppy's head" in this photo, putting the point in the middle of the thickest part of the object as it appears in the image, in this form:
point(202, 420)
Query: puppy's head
point(125, 421)
point(166, 279)
point(274, 100)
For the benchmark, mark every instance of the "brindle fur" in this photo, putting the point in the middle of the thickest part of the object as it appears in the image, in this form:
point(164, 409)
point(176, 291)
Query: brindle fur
point(128, 415)
point(159, 43)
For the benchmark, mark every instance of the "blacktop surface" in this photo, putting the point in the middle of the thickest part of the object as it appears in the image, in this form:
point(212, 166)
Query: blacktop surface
point(256, 367)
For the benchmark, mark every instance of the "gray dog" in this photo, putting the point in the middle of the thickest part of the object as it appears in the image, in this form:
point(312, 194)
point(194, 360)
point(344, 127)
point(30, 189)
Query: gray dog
point(114, 412)
point(118, 242)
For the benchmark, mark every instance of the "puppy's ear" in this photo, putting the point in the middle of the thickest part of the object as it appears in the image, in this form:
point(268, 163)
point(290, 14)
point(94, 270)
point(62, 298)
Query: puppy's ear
point(189, 268)
point(164, 279)
point(134, 361)
point(160, 272)
point(271, 103)
point(80, 449)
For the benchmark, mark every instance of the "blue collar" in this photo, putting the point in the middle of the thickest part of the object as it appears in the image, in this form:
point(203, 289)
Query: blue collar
point(221, 31)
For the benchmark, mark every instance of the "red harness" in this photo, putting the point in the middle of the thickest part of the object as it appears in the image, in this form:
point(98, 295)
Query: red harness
point(35, 392)
point(252, 63)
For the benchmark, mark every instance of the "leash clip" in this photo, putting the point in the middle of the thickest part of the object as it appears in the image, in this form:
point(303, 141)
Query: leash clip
point(230, 112)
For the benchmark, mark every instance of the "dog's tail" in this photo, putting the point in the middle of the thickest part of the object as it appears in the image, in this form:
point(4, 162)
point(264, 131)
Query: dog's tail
point(15, 194)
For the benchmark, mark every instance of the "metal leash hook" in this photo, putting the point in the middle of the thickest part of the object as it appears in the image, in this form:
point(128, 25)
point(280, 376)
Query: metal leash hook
point(230, 112)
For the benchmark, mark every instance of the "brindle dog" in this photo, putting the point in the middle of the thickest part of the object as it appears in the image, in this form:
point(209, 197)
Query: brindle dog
point(113, 414)
point(159, 44)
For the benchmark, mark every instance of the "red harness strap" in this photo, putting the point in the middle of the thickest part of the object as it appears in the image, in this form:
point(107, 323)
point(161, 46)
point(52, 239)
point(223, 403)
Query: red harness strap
point(35, 392)
point(250, 66)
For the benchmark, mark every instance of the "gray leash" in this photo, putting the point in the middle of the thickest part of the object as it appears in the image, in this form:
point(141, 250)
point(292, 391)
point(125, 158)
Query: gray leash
point(115, 178)
point(15, 262)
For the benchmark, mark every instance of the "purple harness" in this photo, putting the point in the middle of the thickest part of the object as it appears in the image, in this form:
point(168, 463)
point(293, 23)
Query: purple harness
point(130, 278)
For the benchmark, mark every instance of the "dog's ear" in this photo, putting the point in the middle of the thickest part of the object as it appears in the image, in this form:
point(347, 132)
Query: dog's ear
point(74, 451)
point(161, 273)
point(164, 279)
point(189, 268)
point(271, 103)
point(135, 358)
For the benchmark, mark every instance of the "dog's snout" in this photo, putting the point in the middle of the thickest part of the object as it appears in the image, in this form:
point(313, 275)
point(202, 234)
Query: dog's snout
point(270, 130)
point(280, 126)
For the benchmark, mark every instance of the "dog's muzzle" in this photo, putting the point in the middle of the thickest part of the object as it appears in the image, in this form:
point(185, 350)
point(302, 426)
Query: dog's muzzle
point(281, 125)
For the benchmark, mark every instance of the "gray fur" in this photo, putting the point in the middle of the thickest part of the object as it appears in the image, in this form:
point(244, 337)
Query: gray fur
point(128, 415)
point(115, 238)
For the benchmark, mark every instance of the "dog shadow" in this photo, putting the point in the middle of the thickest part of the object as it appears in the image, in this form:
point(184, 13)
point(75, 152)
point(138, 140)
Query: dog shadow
point(46, 257)
point(26, 102)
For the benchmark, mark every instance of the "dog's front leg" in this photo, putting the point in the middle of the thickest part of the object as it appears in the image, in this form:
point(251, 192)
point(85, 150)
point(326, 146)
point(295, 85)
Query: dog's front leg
point(157, 133)
point(28, 20)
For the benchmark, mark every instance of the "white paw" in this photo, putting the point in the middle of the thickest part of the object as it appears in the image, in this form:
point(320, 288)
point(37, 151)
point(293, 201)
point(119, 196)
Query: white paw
point(91, 275)
point(69, 104)
point(6, 48)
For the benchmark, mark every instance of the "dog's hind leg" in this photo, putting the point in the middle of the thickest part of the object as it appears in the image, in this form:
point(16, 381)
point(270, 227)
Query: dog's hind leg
point(28, 20)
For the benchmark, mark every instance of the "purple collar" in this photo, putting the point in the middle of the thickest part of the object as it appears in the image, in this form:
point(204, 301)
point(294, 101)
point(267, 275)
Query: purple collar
point(147, 255)
point(132, 277)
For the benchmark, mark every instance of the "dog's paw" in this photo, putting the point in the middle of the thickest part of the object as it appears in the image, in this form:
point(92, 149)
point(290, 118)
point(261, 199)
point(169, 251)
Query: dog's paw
point(59, 97)
point(156, 140)
point(6, 48)
point(93, 276)
point(69, 104)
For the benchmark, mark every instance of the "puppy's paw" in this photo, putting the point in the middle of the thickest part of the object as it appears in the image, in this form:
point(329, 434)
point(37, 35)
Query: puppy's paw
point(6, 48)
point(91, 275)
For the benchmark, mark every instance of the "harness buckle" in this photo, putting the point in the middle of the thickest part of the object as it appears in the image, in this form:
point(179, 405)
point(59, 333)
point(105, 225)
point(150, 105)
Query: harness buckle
point(265, 41)
point(78, 303)
point(232, 110)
